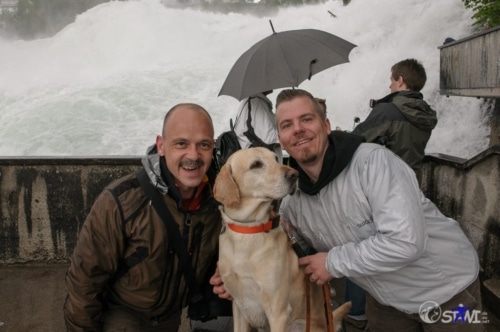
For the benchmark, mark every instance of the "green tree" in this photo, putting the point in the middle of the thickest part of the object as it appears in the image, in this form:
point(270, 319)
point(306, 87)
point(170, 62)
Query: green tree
point(486, 12)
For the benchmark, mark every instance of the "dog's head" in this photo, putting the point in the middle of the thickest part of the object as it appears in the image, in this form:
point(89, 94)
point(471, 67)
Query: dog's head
point(253, 173)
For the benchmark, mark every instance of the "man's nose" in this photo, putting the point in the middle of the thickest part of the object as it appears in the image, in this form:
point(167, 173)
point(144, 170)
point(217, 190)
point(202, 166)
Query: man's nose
point(297, 127)
point(193, 151)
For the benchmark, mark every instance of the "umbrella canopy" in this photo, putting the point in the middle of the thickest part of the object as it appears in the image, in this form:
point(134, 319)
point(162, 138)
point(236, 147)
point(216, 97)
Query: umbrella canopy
point(284, 59)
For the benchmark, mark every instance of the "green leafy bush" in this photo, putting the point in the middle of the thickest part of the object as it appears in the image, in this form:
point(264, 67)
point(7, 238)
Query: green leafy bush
point(487, 12)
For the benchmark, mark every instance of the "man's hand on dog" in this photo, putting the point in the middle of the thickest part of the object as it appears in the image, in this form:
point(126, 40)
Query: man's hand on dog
point(315, 267)
point(219, 288)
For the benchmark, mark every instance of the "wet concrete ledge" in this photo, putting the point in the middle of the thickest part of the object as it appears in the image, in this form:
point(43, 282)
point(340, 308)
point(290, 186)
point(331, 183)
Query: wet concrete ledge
point(44, 201)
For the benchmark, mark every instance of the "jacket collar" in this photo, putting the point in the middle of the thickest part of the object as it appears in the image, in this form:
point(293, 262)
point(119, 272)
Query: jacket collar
point(341, 148)
point(162, 179)
point(408, 94)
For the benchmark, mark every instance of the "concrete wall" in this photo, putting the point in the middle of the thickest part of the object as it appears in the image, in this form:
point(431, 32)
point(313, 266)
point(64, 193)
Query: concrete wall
point(469, 191)
point(44, 201)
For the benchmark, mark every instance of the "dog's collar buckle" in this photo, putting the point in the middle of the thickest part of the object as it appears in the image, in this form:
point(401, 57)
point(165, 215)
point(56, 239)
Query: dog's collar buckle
point(266, 227)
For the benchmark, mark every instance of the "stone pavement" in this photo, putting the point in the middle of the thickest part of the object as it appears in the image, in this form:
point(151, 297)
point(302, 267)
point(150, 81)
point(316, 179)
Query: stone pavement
point(32, 297)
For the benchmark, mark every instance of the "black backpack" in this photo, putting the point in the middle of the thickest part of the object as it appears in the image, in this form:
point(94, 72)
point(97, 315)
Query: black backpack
point(227, 143)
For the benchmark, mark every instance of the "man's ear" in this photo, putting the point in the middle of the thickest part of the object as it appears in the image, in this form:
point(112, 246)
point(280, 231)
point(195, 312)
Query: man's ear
point(401, 83)
point(328, 125)
point(159, 145)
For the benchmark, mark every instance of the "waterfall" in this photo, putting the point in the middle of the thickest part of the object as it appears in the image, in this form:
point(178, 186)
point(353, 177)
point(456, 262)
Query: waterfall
point(103, 84)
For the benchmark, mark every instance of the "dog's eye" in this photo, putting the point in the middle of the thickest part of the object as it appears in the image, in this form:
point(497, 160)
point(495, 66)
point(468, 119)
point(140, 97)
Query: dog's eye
point(256, 164)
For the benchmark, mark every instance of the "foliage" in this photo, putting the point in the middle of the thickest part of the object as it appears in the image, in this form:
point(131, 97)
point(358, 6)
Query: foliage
point(487, 12)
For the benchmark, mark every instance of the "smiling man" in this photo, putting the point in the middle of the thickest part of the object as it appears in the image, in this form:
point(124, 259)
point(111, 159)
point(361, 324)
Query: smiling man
point(360, 207)
point(124, 274)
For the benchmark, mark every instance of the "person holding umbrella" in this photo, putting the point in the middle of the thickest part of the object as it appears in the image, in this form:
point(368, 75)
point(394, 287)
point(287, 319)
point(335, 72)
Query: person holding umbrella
point(282, 60)
point(255, 123)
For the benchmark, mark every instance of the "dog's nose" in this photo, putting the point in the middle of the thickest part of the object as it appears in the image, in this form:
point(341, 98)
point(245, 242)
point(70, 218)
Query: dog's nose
point(291, 174)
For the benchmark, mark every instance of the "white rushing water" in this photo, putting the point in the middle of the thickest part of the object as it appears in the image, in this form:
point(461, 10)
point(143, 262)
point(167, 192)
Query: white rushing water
point(103, 84)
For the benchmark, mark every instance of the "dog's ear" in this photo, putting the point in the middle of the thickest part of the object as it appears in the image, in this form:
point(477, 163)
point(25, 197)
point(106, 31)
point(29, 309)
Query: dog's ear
point(225, 189)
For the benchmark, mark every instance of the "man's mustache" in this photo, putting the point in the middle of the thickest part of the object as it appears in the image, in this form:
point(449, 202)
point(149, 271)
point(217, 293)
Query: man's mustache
point(189, 163)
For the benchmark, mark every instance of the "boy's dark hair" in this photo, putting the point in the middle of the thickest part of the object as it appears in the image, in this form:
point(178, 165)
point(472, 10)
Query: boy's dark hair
point(412, 72)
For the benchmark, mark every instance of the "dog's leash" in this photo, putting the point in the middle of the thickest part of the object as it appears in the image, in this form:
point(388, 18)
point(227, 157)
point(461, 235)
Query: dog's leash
point(328, 308)
point(308, 306)
point(299, 251)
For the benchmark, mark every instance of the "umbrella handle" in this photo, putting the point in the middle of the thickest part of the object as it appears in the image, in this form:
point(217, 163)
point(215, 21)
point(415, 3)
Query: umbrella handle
point(313, 61)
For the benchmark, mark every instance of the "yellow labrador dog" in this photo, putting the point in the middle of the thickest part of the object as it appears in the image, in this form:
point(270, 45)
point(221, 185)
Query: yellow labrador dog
point(257, 265)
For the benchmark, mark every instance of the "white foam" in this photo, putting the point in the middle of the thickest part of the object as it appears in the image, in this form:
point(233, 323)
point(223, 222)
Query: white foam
point(103, 84)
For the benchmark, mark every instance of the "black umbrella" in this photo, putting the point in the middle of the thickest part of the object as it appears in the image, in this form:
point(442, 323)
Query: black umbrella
point(284, 59)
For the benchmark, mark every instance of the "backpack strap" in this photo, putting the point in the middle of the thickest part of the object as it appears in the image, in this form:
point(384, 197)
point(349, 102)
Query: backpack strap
point(250, 133)
point(126, 263)
point(173, 234)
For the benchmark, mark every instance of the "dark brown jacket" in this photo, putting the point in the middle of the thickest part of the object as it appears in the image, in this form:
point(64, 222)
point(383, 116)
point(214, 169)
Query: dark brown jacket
point(123, 226)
